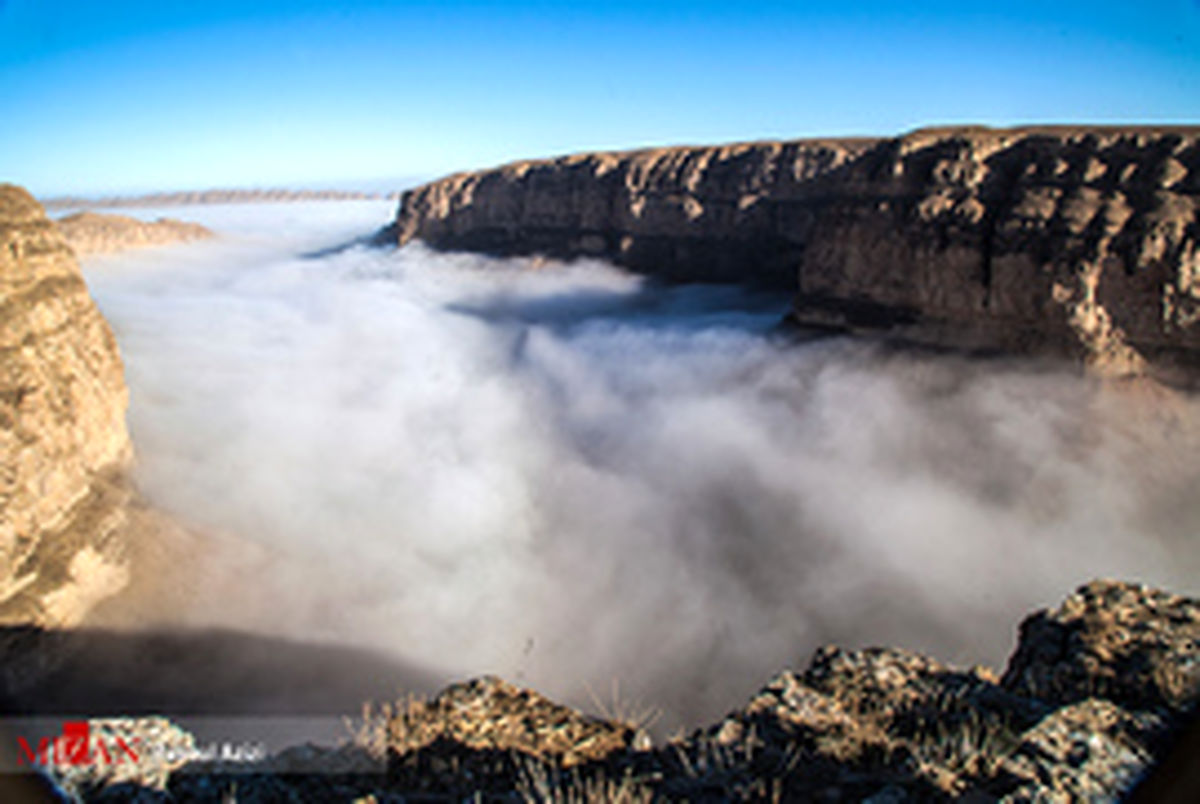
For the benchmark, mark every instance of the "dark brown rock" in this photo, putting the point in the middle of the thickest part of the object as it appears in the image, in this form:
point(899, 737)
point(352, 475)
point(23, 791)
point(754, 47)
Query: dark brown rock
point(1090, 751)
point(1135, 646)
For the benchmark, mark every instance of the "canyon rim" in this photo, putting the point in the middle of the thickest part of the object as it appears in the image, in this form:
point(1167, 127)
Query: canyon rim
point(1079, 241)
point(1067, 244)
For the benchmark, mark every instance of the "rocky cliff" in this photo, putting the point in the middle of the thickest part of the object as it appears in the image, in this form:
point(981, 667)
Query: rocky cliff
point(96, 233)
point(1097, 691)
point(64, 503)
point(1074, 241)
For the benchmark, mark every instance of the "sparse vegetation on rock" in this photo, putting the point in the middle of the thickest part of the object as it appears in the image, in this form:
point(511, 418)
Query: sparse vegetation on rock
point(878, 725)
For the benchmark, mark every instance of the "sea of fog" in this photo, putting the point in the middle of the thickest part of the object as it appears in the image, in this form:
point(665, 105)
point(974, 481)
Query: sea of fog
point(566, 476)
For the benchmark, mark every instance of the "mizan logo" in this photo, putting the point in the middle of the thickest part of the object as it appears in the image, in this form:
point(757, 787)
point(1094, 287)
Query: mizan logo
point(78, 746)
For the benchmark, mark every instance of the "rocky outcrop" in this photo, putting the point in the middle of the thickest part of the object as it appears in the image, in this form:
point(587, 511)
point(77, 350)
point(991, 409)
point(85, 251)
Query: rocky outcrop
point(1080, 715)
point(1091, 697)
point(491, 714)
point(95, 233)
point(64, 502)
point(1136, 646)
point(1074, 241)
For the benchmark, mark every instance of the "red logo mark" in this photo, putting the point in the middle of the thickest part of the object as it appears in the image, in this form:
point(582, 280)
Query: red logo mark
point(76, 746)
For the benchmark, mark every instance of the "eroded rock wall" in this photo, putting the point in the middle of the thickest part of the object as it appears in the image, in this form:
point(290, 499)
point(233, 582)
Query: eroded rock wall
point(97, 233)
point(63, 440)
point(1074, 241)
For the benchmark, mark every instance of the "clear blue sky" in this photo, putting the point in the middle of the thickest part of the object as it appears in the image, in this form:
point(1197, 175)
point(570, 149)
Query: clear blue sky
point(133, 95)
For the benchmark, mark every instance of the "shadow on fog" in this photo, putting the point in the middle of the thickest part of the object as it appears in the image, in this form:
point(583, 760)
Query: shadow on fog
point(653, 307)
point(98, 673)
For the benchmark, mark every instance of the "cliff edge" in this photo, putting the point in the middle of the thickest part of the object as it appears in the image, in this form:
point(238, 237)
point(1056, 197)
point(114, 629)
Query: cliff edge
point(1074, 241)
point(64, 501)
point(1097, 703)
point(97, 233)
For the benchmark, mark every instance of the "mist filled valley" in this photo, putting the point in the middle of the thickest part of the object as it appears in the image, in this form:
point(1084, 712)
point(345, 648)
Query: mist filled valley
point(565, 475)
point(591, 402)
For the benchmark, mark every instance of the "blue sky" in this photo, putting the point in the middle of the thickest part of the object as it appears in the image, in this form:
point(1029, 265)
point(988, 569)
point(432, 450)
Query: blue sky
point(129, 96)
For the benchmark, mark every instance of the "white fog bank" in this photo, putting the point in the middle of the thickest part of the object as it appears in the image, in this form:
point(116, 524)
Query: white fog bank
point(563, 476)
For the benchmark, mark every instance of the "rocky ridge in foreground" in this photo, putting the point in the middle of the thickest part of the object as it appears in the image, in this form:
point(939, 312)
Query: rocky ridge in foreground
point(1072, 241)
point(96, 233)
point(1093, 696)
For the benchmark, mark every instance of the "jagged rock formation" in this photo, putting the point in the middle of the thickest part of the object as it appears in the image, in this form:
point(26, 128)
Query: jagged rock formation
point(1074, 241)
point(1090, 697)
point(1093, 695)
point(95, 233)
point(64, 502)
point(490, 714)
point(1126, 643)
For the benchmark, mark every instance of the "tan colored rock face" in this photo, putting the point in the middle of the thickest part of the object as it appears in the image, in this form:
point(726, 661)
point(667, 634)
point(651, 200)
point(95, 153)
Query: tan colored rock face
point(95, 233)
point(63, 440)
point(1074, 241)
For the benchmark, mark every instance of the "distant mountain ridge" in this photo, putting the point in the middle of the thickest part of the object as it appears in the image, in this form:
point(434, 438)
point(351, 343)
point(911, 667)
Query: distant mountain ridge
point(96, 233)
point(215, 196)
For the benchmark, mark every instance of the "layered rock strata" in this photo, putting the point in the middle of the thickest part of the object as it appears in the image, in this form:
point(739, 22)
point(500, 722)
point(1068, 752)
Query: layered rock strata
point(96, 233)
point(64, 501)
point(1073, 241)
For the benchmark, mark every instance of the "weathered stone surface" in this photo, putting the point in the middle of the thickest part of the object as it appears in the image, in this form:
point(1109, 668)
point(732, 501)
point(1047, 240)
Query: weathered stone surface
point(63, 441)
point(1089, 701)
point(491, 714)
point(96, 233)
point(1073, 241)
point(1133, 645)
point(878, 725)
point(137, 751)
point(1090, 751)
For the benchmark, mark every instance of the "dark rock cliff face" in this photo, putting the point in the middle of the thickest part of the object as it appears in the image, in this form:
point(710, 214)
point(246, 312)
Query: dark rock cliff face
point(1073, 241)
point(64, 503)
